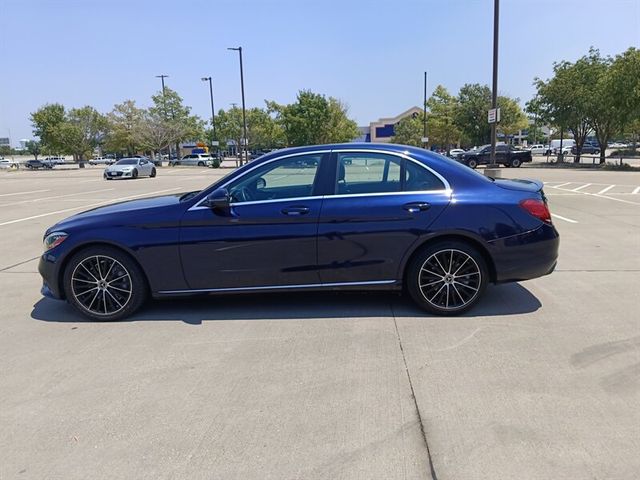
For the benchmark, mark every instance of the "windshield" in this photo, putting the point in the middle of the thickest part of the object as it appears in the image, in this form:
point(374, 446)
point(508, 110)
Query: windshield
point(128, 161)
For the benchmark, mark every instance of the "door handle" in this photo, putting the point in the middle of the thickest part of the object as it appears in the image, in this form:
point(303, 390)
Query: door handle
point(415, 207)
point(295, 211)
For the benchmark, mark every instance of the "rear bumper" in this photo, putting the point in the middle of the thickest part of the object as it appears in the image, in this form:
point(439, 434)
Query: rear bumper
point(526, 256)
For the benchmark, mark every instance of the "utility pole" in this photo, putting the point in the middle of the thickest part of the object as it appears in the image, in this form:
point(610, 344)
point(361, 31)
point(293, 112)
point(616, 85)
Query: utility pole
point(164, 104)
point(494, 92)
point(425, 139)
point(244, 114)
point(213, 112)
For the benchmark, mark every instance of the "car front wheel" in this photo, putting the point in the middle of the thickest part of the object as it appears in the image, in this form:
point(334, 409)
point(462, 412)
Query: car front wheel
point(515, 163)
point(447, 278)
point(104, 284)
point(153, 173)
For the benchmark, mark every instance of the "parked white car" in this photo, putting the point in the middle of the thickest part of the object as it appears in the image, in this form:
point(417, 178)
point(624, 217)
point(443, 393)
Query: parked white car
point(540, 149)
point(130, 168)
point(55, 160)
point(8, 163)
point(455, 152)
point(195, 159)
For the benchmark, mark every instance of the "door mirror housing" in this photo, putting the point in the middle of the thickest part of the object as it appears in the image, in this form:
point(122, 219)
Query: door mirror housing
point(219, 199)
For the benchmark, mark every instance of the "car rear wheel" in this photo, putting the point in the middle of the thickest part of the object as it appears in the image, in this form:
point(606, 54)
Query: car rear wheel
point(201, 164)
point(472, 163)
point(515, 163)
point(447, 278)
point(134, 174)
point(104, 284)
point(153, 173)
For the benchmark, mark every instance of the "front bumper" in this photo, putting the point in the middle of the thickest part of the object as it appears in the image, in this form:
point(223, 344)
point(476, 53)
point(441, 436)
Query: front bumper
point(48, 267)
point(526, 256)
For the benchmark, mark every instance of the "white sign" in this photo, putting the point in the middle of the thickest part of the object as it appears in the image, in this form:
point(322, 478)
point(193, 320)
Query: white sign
point(425, 139)
point(215, 143)
point(494, 115)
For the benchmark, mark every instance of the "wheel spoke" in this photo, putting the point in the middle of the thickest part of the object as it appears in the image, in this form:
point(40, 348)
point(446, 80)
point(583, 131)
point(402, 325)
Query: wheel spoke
point(87, 291)
point(89, 272)
point(119, 278)
point(98, 268)
point(455, 289)
point(113, 262)
point(461, 265)
point(120, 289)
point(467, 274)
point(432, 273)
point(93, 299)
point(447, 305)
point(83, 281)
point(450, 262)
point(114, 299)
point(431, 283)
point(436, 294)
point(439, 264)
point(465, 286)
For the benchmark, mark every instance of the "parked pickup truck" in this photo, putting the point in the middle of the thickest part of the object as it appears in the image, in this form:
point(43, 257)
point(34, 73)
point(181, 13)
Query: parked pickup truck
point(506, 155)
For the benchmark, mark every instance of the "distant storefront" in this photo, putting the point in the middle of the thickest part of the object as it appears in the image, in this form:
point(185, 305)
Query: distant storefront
point(383, 130)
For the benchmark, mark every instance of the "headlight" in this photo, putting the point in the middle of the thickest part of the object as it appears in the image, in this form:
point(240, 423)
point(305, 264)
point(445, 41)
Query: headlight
point(54, 239)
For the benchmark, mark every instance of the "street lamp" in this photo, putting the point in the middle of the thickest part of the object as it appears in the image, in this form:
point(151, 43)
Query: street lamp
point(213, 112)
point(164, 107)
point(425, 139)
point(494, 93)
point(244, 115)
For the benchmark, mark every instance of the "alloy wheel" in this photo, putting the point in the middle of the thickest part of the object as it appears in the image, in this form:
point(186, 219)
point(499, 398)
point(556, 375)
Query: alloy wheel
point(449, 279)
point(101, 285)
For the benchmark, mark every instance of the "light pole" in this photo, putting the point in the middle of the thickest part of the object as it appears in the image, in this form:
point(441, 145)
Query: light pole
point(213, 111)
point(164, 105)
point(244, 115)
point(494, 92)
point(425, 140)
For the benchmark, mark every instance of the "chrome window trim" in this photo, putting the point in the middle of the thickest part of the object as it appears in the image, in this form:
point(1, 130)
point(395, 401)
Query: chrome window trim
point(447, 190)
point(405, 156)
point(276, 287)
point(197, 206)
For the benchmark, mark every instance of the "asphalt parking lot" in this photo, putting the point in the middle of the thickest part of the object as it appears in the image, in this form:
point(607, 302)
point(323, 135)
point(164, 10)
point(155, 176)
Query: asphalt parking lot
point(540, 381)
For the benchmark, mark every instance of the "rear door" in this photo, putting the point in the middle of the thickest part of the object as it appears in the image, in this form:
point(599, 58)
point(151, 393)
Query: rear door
point(381, 205)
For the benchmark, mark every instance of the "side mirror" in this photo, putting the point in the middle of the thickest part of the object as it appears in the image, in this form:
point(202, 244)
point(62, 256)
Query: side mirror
point(219, 200)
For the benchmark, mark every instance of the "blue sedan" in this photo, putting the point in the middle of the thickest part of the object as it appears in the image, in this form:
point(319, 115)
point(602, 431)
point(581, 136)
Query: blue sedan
point(349, 216)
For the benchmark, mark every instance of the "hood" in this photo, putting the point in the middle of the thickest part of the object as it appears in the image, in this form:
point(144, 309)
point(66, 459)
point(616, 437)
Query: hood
point(118, 211)
point(519, 185)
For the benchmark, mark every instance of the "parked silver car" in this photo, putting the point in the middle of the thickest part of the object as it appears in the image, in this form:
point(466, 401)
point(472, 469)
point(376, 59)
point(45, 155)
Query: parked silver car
point(194, 160)
point(130, 168)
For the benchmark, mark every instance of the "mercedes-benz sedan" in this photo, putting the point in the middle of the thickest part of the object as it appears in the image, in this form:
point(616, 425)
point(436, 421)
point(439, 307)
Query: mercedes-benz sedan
point(351, 216)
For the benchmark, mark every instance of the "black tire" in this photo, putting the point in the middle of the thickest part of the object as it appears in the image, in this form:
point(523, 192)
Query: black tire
point(515, 163)
point(153, 173)
point(201, 164)
point(472, 163)
point(134, 174)
point(463, 287)
point(134, 281)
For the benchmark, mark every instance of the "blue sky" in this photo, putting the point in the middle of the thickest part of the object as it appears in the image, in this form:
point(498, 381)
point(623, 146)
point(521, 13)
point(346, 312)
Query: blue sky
point(369, 53)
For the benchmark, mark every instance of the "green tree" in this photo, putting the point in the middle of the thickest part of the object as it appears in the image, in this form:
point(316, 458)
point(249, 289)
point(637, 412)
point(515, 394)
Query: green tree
point(313, 120)
point(34, 148)
point(512, 118)
point(124, 119)
point(624, 85)
point(169, 105)
point(470, 114)
point(442, 129)
point(229, 126)
point(83, 130)
point(46, 121)
point(263, 131)
point(155, 132)
point(409, 130)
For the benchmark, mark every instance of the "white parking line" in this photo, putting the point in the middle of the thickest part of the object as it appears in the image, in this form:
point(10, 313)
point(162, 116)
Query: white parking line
point(563, 218)
point(561, 185)
point(605, 190)
point(635, 191)
point(56, 196)
point(86, 207)
point(22, 193)
point(581, 187)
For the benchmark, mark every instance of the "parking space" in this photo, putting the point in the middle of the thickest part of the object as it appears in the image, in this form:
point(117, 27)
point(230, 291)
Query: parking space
point(541, 380)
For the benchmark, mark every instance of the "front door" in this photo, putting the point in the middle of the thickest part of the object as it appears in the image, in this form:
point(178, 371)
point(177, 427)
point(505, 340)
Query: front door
point(382, 205)
point(267, 239)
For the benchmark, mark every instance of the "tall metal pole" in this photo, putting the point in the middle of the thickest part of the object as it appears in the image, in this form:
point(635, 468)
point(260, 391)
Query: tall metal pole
point(213, 111)
point(494, 93)
point(424, 112)
point(244, 114)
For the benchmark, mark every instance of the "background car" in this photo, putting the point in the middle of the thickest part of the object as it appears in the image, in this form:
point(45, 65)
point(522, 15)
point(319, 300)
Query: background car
point(36, 165)
point(55, 160)
point(455, 152)
point(539, 149)
point(349, 216)
point(102, 161)
point(8, 163)
point(587, 148)
point(194, 159)
point(130, 168)
point(506, 155)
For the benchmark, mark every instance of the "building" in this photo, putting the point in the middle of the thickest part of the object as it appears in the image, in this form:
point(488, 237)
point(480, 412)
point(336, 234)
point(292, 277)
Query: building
point(383, 129)
point(5, 142)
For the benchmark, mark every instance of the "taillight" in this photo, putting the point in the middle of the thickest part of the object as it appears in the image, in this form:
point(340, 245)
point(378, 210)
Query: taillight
point(537, 208)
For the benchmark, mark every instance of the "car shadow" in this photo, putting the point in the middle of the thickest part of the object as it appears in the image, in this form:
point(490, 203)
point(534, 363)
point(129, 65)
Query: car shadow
point(509, 299)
